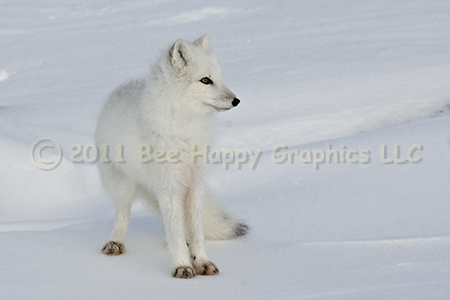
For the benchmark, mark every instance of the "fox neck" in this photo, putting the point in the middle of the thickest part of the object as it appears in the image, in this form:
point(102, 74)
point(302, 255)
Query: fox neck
point(168, 116)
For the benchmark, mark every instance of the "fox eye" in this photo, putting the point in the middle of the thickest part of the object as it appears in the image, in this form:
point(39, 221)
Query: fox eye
point(206, 80)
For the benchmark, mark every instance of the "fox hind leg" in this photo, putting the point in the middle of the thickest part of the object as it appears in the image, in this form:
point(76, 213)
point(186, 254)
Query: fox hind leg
point(123, 192)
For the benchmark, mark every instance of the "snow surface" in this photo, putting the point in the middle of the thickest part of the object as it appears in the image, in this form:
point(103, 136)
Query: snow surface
point(351, 74)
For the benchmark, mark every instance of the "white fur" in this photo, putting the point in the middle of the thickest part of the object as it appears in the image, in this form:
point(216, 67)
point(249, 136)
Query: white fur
point(171, 109)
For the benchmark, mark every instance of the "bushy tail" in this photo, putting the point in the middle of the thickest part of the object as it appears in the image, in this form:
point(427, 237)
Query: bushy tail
point(220, 224)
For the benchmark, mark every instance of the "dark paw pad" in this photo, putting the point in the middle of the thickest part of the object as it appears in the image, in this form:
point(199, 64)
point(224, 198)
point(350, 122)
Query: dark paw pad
point(183, 272)
point(113, 248)
point(206, 268)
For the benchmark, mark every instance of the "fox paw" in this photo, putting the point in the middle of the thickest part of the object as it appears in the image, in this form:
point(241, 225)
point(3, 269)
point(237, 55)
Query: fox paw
point(183, 272)
point(206, 268)
point(113, 248)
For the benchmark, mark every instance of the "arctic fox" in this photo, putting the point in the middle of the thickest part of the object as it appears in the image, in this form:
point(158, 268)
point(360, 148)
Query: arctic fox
point(170, 110)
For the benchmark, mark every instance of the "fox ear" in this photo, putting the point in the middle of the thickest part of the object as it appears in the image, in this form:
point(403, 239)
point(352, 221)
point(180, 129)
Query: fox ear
point(180, 54)
point(205, 42)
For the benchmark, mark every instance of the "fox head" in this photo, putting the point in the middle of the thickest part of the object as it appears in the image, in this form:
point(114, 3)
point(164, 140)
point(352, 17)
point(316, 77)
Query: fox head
point(196, 77)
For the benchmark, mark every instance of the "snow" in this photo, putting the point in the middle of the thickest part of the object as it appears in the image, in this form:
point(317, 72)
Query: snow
point(350, 74)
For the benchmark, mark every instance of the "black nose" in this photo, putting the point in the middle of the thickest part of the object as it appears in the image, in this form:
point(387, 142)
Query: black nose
point(236, 102)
